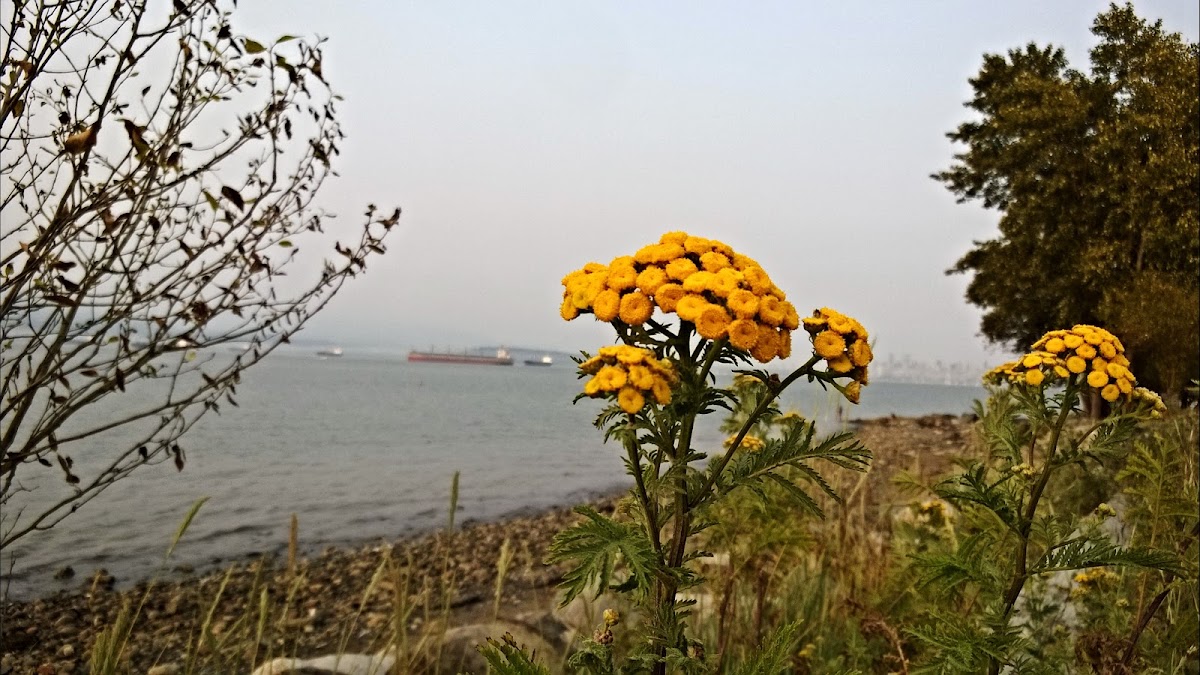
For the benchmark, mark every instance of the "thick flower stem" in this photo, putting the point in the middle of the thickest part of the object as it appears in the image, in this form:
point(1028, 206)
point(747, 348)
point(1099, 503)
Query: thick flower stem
point(1020, 571)
point(679, 465)
point(773, 393)
point(648, 509)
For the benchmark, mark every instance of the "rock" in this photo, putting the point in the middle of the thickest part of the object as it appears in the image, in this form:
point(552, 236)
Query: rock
point(345, 664)
point(67, 651)
point(101, 580)
point(460, 647)
point(65, 573)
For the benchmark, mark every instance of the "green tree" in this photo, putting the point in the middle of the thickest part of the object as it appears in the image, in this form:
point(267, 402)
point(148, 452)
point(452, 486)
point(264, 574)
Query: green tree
point(158, 177)
point(1095, 175)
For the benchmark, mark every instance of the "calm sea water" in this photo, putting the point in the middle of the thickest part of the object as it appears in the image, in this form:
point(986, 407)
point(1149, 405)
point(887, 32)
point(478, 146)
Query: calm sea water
point(365, 447)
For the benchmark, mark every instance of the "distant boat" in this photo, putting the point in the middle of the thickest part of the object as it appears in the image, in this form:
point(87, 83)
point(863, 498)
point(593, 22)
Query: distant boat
point(500, 359)
point(332, 351)
point(544, 361)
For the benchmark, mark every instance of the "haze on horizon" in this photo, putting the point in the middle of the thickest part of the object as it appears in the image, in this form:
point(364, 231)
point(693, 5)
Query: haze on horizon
point(524, 139)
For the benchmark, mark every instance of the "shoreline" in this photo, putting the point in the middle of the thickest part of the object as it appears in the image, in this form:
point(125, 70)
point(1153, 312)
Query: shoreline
point(60, 628)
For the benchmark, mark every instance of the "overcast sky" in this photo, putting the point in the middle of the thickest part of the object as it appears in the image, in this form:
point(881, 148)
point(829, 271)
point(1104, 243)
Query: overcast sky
point(523, 139)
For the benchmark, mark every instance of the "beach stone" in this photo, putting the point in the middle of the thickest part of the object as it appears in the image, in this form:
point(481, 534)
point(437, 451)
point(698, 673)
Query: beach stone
point(460, 646)
point(164, 669)
point(65, 573)
point(344, 664)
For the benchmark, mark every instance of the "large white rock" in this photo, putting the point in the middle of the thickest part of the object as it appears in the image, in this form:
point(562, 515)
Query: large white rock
point(343, 664)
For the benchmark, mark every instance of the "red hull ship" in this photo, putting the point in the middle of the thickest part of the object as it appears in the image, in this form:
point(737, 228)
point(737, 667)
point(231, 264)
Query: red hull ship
point(500, 359)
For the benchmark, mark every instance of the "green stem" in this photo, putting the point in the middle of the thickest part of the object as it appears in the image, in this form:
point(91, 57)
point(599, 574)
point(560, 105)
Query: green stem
point(1020, 572)
point(648, 510)
point(772, 394)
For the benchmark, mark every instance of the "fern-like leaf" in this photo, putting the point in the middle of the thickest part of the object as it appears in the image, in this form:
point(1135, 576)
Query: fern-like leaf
point(594, 546)
point(506, 657)
point(774, 655)
point(1082, 553)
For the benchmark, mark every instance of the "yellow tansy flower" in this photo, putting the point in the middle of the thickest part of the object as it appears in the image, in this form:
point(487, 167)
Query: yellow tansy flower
point(661, 391)
point(691, 306)
point(699, 282)
point(668, 296)
point(611, 378)
point(1116, 370)
point(840, 364)
point(1107, 350)
point(1055, 345)
point(713, 261)
point(726, 281)
point(651, 279)
point(622, 277)
point(697, 245)
point(641, 377)
point(1097, 378)
point(743, 333)
point(1076, 364)
point(829, 345)
point(1034, 377)
point(1085, 351)
point(841, 323)
point(742, 303)
point(636, 308)
point(1031, 360)
point(785, 343)
point(766, 347)
point(681, 268)
point(1110, 393)
point(791, 318)
point(860, 353)
point(677, 237)
point(1072, 341)
point(631, 400)
point(770, 310)
point(568, 310)
point(814, 324)
point(852, 392)
point(712, 323)
point(606, 305)
point(759, 282)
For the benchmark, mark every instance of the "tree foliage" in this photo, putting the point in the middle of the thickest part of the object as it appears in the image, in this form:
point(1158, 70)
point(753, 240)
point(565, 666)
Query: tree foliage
point(1095, 175)
point(158, 174)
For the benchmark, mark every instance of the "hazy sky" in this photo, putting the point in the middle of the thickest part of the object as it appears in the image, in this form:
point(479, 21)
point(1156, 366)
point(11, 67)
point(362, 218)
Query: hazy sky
point(523, 139)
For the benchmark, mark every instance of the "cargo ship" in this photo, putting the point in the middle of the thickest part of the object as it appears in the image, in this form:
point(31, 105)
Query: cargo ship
point(500, 359)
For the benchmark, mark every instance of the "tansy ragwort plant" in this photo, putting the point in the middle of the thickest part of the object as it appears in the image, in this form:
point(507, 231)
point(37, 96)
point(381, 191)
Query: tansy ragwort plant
point(1033, 426)
point(657, 382)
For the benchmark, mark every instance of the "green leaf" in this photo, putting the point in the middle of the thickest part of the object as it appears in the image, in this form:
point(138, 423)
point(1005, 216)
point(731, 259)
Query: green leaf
point(285, 243)
point(594, 547)
point(505, 657)
point(774, 655)
point(183, 527)
point(285, 38)
point(1083, 553)
point(253, 47)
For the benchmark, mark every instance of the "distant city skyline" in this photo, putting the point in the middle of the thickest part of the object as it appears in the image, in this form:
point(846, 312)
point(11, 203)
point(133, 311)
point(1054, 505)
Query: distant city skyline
point(525, 139)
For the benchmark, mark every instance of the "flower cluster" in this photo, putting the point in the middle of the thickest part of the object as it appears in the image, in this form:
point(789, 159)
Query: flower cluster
point(842, 341)
point(1091, 579)
point(750, 443)
point(724, 294)
point(630, 373)
point(1092, 355)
